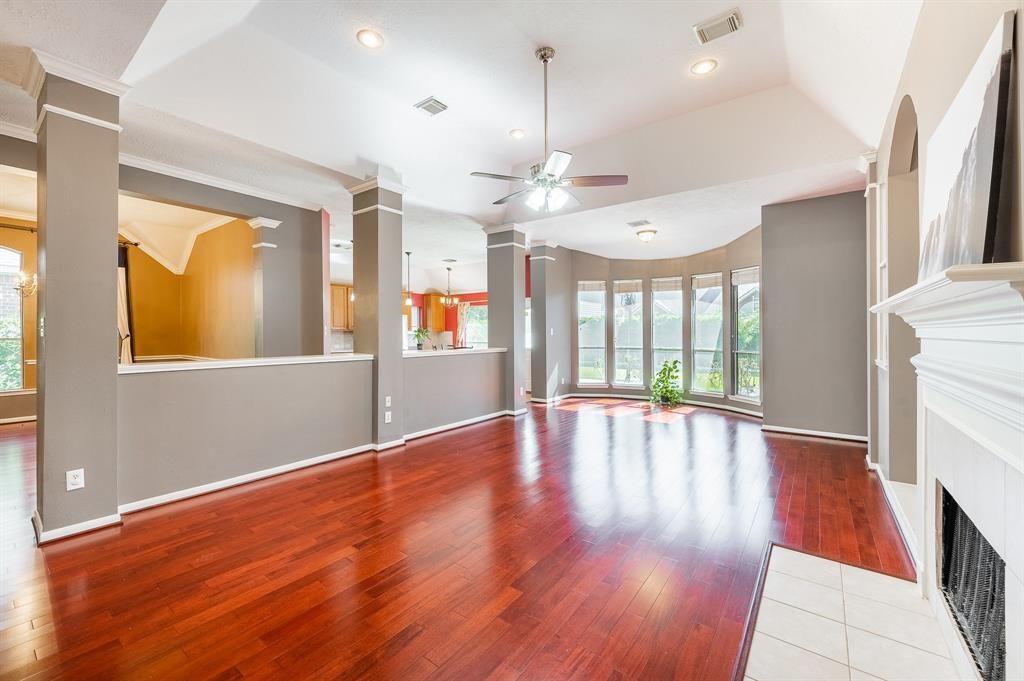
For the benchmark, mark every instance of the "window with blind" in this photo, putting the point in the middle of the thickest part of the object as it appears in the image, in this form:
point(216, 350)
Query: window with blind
point(11, 374)
point(667, 323)
point(746, 333)
point(706, 310)
point(591, 337)
point(628, 338)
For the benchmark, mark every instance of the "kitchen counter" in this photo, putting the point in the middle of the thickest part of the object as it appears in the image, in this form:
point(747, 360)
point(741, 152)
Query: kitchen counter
point(437, 353)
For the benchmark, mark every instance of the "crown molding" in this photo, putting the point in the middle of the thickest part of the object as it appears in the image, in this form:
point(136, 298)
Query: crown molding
point(264, 244)
point(507, 227)
point(212, 181)
point(43, 63)
point(17, 131)
point(257, 223)
point(865, 160)
point(377, 183)
point(543, 243)
point(67, 113)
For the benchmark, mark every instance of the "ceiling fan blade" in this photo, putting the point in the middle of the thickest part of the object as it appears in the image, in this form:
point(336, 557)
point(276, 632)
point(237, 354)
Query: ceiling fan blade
point(495, 176)
point(557, 162)
point(596, 180)
point(506, 199)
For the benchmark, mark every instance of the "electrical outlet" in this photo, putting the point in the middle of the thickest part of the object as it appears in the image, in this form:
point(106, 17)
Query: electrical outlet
point(387, 401)
point(387, 417)
point(75, 479)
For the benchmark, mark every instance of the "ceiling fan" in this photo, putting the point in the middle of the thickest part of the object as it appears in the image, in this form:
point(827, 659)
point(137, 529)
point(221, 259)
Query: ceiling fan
point(548, 188)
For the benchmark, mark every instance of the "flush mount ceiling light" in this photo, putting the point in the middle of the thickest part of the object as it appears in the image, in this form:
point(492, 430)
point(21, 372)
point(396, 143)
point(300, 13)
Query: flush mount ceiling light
point(644, 230)
point(369, 38)
point(703, 67)
point(517, 133)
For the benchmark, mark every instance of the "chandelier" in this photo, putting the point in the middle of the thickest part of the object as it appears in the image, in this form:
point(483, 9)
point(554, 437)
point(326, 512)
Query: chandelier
point(27, 284)
point(448, 300)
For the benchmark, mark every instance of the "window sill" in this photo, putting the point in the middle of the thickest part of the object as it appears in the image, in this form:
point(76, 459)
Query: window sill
point(592, 385)
point(704, 394)
point(748, 400)
point(629, 387)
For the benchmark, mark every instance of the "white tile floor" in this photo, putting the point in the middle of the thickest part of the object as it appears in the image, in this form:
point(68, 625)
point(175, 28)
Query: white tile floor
point(821, 620)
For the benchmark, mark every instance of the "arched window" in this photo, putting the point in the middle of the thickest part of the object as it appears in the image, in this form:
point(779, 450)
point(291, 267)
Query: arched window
point(11, 367)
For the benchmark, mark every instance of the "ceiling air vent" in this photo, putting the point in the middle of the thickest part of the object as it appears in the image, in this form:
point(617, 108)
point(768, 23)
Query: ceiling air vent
point(715, 28)
point(431, 106)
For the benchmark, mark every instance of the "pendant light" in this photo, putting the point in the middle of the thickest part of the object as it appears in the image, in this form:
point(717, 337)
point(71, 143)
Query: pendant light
point(447, 300)
point(408, 278)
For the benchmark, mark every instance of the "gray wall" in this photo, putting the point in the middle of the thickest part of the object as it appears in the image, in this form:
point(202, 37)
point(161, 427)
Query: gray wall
point(551, 319)
point(168, 440)
point(17, 405)
point(742, 252)
point(293, 296)
point(814, 329)
point(438, 390)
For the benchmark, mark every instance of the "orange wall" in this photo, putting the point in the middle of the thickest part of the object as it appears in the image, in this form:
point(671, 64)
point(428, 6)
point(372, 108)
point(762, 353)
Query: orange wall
point(25, 242)
point(155, 294)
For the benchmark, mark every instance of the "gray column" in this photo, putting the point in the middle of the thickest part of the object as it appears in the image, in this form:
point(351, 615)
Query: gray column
point(77, 161)
point(377, 280)
point(262, 242)
point(506, 306)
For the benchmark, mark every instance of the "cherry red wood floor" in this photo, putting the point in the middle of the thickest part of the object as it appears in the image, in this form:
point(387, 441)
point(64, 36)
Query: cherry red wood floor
point(596, 540)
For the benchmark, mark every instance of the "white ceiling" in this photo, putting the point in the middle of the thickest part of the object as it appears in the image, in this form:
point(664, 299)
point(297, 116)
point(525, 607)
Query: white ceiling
point(280, 96)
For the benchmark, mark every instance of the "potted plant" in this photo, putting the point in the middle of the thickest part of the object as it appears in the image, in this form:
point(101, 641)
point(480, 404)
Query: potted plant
point(421, 335)
point(665, 388)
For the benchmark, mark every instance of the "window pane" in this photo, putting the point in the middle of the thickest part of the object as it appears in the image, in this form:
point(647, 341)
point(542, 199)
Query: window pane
point(476, 326)
point(10, 321)
point(629, 333)
point(746, 291)
point(707, 334)
point(666, 323)
point(590, 321)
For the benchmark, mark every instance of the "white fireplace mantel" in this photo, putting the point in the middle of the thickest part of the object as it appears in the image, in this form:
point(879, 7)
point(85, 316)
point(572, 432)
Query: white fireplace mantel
point(970, 425)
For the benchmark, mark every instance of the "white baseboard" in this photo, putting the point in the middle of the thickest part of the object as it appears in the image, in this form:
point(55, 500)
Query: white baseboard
point(387, 445)
point(43, 537)
point(517, 412)
point(815, 433)
point(726, 407)
point(549, 400)
point(238, 480)
point(17, 419)
point(457, 424)
point(896, 508)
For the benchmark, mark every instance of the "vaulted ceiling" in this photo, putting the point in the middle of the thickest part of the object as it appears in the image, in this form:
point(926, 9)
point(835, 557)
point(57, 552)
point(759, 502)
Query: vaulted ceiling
point(218, 85)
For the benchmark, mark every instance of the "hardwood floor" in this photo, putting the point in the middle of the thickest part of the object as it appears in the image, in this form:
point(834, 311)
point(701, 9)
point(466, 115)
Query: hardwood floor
point(596, 540)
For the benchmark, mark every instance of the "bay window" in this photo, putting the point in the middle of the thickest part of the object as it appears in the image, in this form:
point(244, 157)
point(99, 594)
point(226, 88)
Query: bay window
point(667, 323)
point(628, 338)
point(591, 336)
point(706, 335)
point(746, 333)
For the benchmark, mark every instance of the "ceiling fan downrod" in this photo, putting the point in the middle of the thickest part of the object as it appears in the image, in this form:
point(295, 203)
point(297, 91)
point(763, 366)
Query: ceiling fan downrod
point(545, 54)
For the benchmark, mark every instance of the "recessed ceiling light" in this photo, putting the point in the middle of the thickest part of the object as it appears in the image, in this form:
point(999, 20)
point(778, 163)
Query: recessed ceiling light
point(517, 133)
point(369, 38)
point(703, 67)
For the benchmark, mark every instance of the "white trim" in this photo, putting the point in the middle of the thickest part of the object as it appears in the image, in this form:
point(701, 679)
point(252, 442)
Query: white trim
point(740, 398)
point(18, 419)
point(516, 412)
point(624, 397)
point(542, 257)
point(239, 363)
point(377, 206)
point(388, 445)
point(129, 233)
point(457, 424)
point(510, 243)
point(238, 480)
point(550, 401)
point(211, 181)
point(264, 244)
point(815, 433)
point(212, 224)
point(45, 63)
point(896, 508)
point(627, 386)
point(17, 215)
point(543, 243)
point(22, 391)
point(416, 354)
point(377, 183)
point(506, 227)
point(702, 393)
point(726, 407)
point(67, 113)
point(68, 530)
point(17, 131)
point(865, 160)
point(257, 223)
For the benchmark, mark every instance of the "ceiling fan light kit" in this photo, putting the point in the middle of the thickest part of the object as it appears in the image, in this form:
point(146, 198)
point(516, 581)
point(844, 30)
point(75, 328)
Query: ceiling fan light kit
point(548, 188)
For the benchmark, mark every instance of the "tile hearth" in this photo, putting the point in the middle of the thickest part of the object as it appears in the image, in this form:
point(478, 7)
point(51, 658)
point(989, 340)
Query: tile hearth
point(819, 619)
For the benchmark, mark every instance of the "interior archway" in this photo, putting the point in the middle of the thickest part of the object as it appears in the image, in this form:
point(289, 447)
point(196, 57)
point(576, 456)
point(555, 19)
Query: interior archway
point(902, 244)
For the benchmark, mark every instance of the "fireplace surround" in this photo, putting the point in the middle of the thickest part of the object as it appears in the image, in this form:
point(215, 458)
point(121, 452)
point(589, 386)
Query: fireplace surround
point(970, 414)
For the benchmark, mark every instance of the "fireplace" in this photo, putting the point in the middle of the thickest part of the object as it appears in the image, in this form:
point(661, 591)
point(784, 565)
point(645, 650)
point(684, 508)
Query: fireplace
point(973, 583)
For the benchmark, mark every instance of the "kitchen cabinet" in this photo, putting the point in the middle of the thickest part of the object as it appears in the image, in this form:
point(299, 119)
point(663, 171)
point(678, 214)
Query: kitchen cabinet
point(342, 313)
point(434, 311)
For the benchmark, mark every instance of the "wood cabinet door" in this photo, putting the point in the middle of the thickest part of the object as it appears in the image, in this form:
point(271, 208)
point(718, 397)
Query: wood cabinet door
point(339, 309)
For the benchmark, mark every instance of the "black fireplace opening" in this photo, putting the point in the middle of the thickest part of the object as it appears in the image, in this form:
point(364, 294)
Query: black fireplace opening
point(974, 585)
